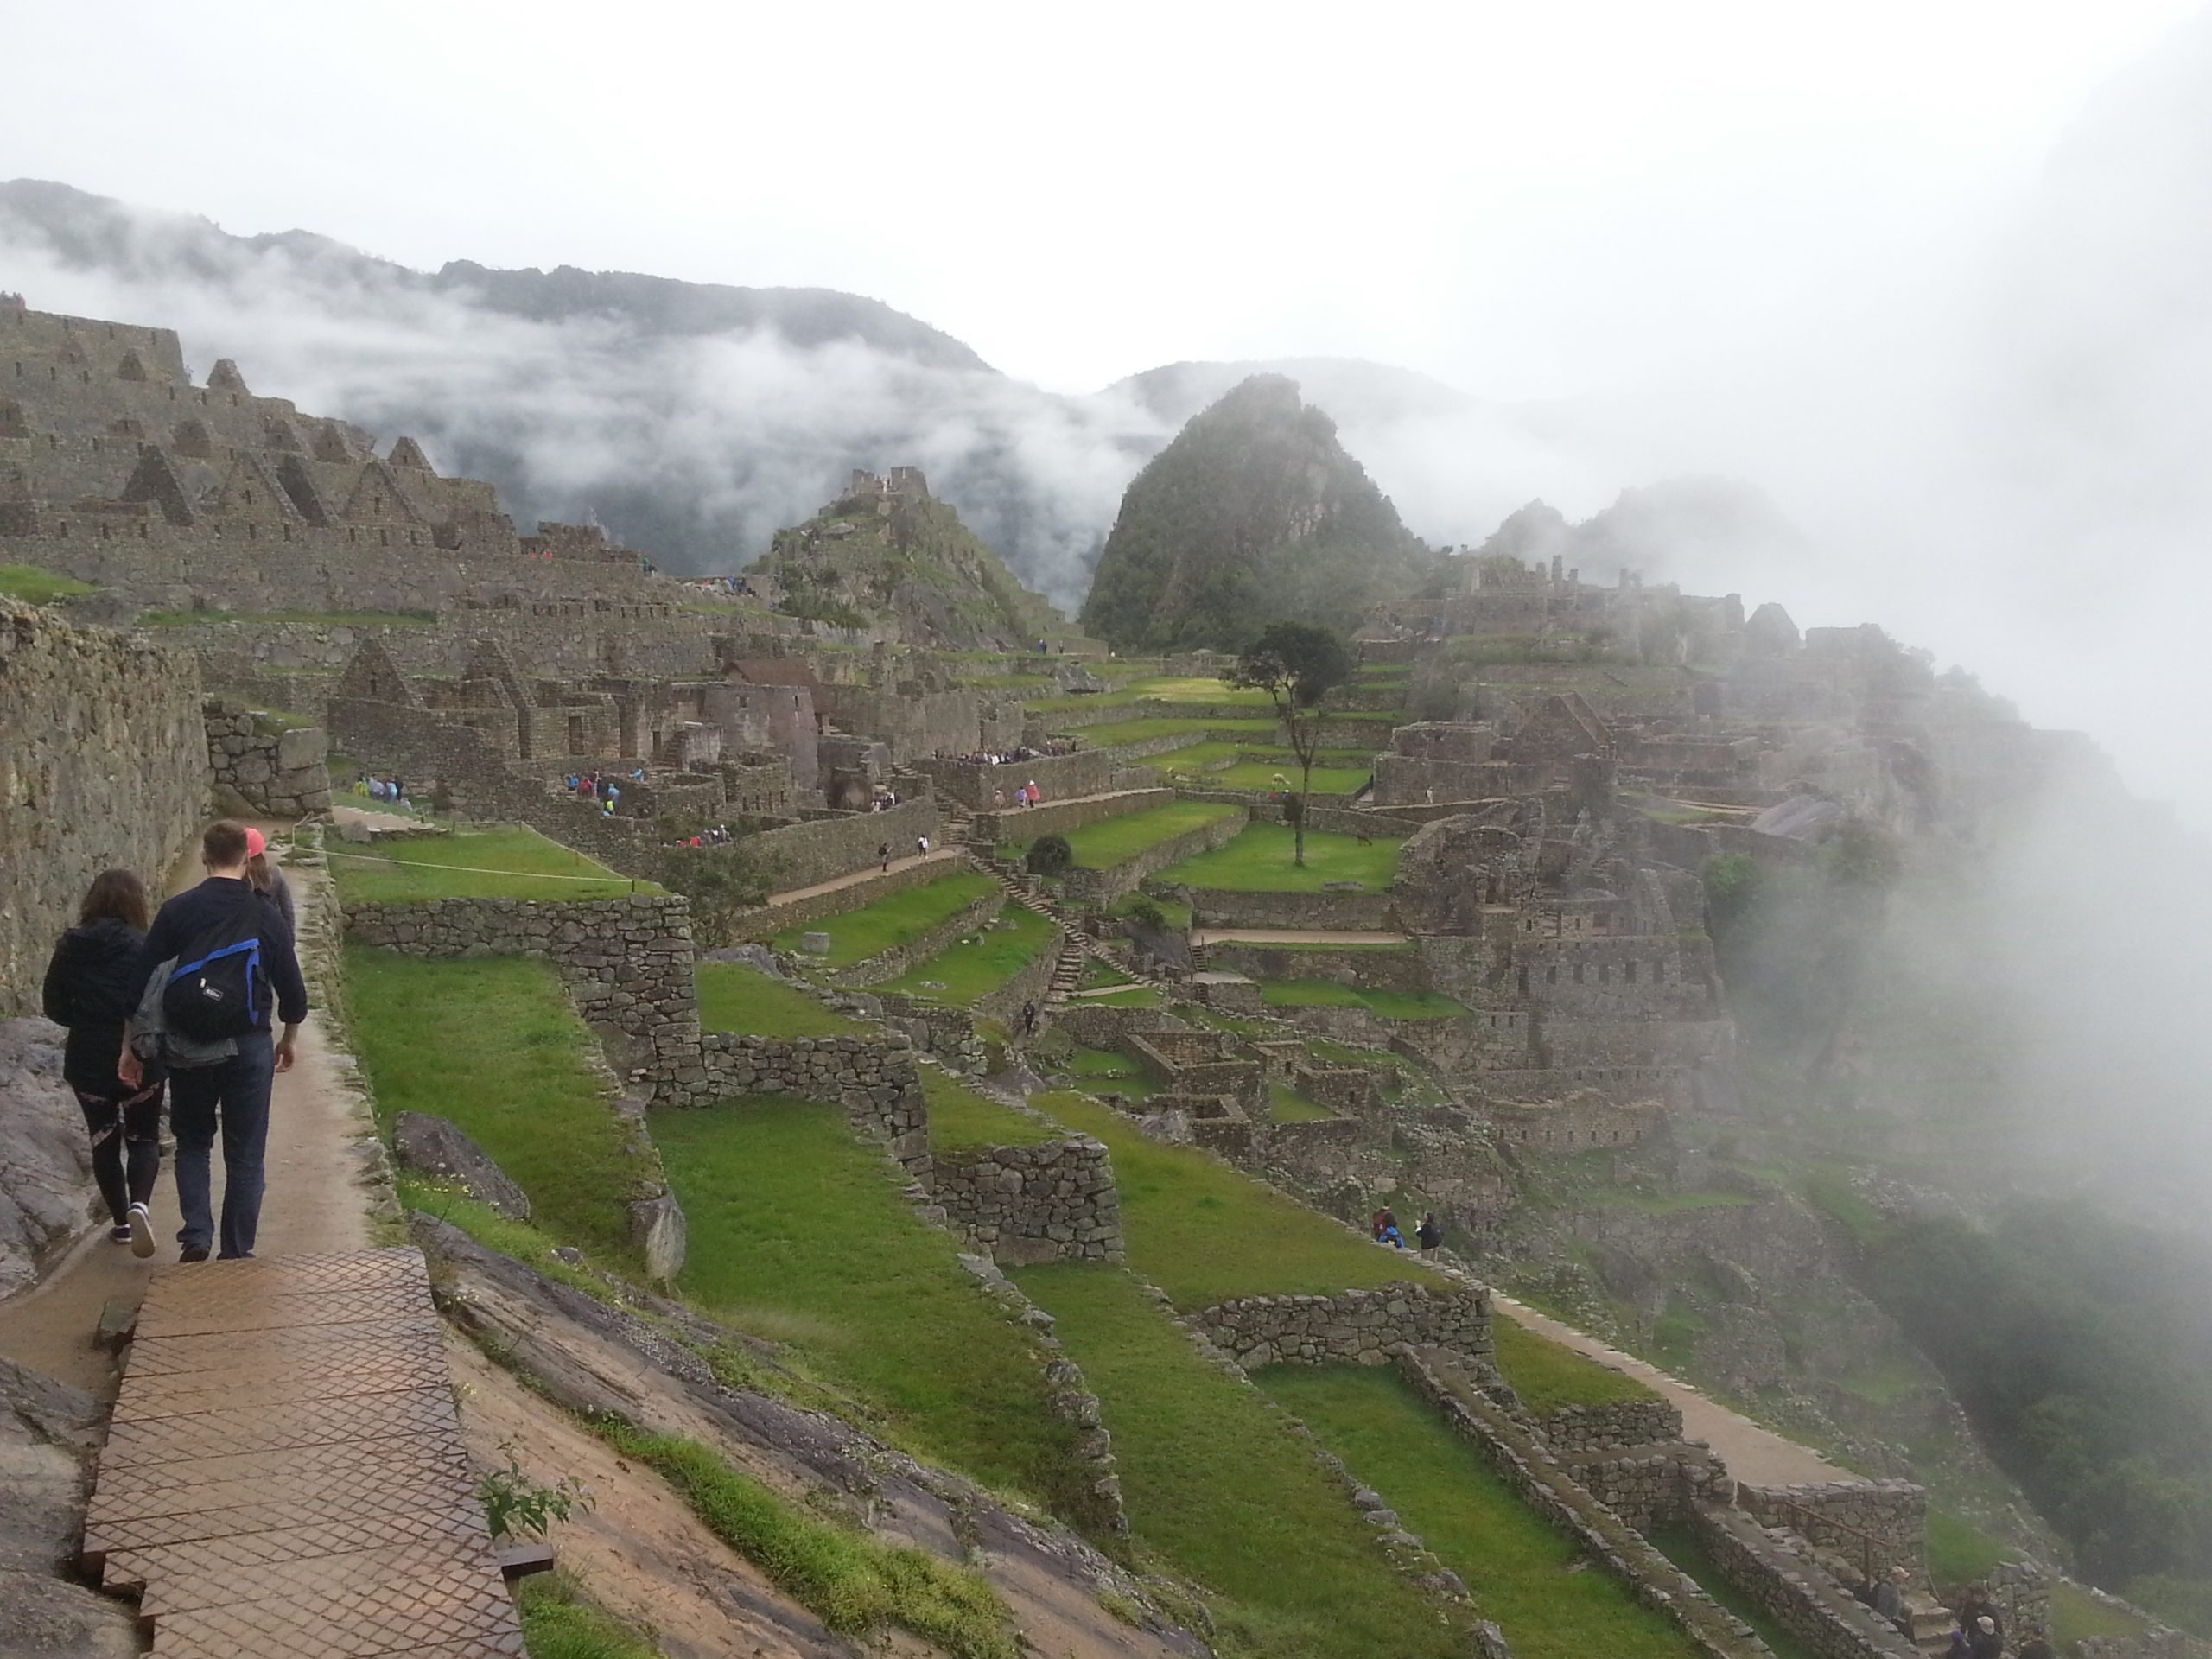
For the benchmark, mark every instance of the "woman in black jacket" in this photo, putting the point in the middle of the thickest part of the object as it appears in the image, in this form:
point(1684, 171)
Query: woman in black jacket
point(92, 988)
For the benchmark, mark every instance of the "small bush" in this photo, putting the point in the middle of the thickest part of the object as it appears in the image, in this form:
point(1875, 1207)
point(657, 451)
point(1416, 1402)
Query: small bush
point(1145, 913)
point(1049, 855)
point(517, 1504)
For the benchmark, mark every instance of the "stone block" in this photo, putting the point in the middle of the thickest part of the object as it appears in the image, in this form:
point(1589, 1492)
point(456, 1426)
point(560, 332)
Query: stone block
point(437, 1148)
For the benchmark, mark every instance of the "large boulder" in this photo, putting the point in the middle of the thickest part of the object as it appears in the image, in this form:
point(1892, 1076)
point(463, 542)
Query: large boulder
point(46, 1195)
point(46, 1428)
point(662, 1235)
point(438, 1148)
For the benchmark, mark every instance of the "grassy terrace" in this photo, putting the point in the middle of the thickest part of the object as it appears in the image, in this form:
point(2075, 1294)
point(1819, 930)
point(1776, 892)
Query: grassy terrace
point(1287, 1105)
point(1388, 1005)
point(895, 919)
point(34, 586)
point(734, 997)
point(962, 1116)
point(1113, 735)
point(1215, 1482)
point(798, 1232)
point(1203, 694)
point(493, 1046)
point(1111, 842)
point(1521, 1573)
point(1258, 861)
point(507, 863)
point(1263, 775)
point(963, 975)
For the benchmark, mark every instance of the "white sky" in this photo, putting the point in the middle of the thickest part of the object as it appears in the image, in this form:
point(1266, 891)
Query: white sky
point(1528, 201)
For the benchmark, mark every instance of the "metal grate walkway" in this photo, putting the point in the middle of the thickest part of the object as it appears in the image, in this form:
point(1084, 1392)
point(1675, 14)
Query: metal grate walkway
point(284, 1472)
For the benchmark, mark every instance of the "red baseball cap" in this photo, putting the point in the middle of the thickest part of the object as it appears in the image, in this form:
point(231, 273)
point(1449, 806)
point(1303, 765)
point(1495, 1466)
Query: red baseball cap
point(256, 842)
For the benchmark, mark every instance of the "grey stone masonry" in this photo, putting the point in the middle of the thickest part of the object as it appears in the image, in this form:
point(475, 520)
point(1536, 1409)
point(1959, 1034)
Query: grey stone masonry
point(261, 769)
point(1360, 1326)
point(1573, 1430)
point(626, 961)
point(1026, 1205)
point(103, 761)
point(1796, 1593)
point(1844, 1515)
point(879, 1085)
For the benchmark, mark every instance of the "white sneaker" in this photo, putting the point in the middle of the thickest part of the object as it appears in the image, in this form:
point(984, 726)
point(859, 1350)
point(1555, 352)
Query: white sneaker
point(142, 1232)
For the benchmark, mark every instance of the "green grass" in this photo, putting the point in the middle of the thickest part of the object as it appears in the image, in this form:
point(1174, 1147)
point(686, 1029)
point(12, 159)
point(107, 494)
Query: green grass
point(798, 1231)
point(492, 1044)
point(1137, 996)
point(1686, 1550)
point(1115, 840)
point(1287, 1105)
point(1258, 861)
point(967, 973)
point(559, 1621)
point(1521, 1572)
point(2075, 1615)
point(1113, 735)
point(734, 997)
point(506, 863)
point(1547, 1376)
point(962, 1116)
point(37, 586)
point(1098, 974)
point(1389, 1004)
point(1203, 1232)
point(1215, 1483)
point(1260, 775)
point(1958, 1551)
point(895, 919)
point(847, 1577)
point(1174, 915)
point(1196, 693)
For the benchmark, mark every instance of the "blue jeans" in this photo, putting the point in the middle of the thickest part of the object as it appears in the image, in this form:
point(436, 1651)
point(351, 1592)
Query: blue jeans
point(235, 1092)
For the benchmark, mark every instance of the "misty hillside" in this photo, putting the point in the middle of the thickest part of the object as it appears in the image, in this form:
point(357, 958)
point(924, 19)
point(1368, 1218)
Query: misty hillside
point(1354, 392)
point(1699, 531)
point(1256, 512)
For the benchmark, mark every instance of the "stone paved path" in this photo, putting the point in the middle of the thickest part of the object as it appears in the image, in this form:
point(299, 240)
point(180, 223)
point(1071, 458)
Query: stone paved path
point(284, 1472)
point(1755, 1455)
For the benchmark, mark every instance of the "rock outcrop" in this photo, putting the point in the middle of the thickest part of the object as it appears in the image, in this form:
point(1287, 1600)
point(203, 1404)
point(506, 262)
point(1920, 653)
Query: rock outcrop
point(47, 1430)
point(45, 1186)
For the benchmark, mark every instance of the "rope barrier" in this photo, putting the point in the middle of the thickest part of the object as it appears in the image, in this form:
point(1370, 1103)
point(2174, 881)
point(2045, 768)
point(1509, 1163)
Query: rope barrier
point(475, 869)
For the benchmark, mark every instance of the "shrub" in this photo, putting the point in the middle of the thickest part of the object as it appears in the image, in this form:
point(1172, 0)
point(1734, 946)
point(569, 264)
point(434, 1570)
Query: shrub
point(1145, 913)
point(1049, 855)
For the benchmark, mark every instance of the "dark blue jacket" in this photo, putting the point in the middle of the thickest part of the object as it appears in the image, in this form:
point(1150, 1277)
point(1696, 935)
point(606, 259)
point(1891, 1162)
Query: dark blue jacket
point(198, 911)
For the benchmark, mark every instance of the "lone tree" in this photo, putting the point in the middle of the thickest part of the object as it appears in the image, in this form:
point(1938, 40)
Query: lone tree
point(1297, 665)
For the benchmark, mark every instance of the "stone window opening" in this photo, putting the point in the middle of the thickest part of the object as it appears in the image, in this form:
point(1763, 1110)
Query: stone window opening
point(1551, 974)
point(1578, 973)
point(1629, 968)
point(142, 532)
point(252, 534)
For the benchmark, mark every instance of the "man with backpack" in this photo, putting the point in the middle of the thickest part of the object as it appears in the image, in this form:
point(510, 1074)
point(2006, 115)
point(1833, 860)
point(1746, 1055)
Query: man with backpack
point(219, 950)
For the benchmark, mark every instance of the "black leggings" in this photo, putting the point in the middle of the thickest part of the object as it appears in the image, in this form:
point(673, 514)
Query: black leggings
point(131, 1125)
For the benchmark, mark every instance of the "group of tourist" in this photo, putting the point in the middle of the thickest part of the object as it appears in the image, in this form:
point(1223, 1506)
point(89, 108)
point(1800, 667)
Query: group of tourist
point(180, 1002)
point(602, 787)
point(1383, 1228)
point(884, 799)
point(720, 835)
point(1024, 795)
point(1978, 1626)
point(389, 791)
point(1012, 757)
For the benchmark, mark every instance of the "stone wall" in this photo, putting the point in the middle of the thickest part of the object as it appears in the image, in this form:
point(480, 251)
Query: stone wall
point(103, 763)
point(1575, 1430)
point(262, 771)
point(1359, 1325)
point(1330, 912)
point(1099, 888)
point(1061, 777)
point(1523, 1462)
point(1793, 1592)
point(1893, 1511)
point(889, 964)
point(772, 920)
point(1026, 1205)
point(1029, 985)
point(822, 849)
point(946, 1035)
point(1643, 1485)
point(877, 1083)
point(1393, 969)
point(627, 964)
point(1059, 817)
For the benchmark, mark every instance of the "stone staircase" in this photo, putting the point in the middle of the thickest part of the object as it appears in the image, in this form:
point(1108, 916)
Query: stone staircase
point(1076, 948)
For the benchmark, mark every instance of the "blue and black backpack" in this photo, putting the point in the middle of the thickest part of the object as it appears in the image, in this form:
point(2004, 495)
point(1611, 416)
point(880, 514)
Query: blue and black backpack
point(219, 988)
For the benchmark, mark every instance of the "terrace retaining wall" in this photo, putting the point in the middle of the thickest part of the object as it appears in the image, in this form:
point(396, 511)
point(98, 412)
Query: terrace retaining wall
point(793, 914)
point(877, 1083)
point(1100, 888)
point(1060, 817)
point(822, 849)
point(268, 772)
point(1087, 772)
point(1361, 1326)
point(1324, 912)
point(1893, 1511)
point(1026, 1205)
point(889, 964)
point(1794, 1592)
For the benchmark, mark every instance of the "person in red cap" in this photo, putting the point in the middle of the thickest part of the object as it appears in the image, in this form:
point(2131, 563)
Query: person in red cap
point(267, 880)
point(214, 959)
